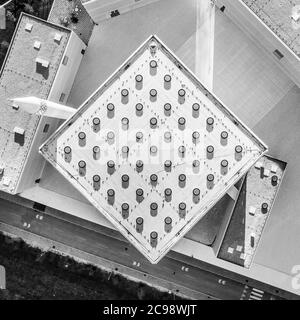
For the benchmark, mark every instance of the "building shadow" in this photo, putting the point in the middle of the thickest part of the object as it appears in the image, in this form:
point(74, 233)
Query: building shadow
point(233, 244)
point(44, 71)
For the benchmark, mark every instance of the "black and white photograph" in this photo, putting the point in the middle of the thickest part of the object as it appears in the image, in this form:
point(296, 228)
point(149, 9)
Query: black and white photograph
point(149, 153)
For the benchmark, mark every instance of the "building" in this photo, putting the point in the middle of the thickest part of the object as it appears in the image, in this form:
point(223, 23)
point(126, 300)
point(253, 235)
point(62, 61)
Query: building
point(216, 238)
point(274, 25)
point(252, 209)
point(153, 150)
point(42, 60)
point(72, 15)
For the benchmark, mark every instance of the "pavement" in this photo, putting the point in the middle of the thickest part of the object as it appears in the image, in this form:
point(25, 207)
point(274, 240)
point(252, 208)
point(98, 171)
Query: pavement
point(117, 250)
point(114, 40)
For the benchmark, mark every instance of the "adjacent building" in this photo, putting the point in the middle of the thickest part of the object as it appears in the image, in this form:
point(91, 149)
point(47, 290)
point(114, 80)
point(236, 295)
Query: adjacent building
point(42, 61)
point(73, 15)
point(274, 25)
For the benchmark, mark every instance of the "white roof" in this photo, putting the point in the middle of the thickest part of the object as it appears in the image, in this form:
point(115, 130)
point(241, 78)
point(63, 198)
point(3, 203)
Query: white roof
point(28, 26)
point(75, 158)
point(57, 37)
point(43, 62)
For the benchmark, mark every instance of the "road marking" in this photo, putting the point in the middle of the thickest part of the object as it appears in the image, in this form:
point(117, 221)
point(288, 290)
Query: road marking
point(244, 293)
point(183, 268)
point(2, 278)
point(254, 298)
point(256, 294)
point(136, 264)
point(257, 290)
point(26, 225)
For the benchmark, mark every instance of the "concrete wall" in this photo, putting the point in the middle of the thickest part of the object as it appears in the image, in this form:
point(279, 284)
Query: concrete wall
point(62, 84)
point(66, 73)
point(101, 9)
point(238, 12)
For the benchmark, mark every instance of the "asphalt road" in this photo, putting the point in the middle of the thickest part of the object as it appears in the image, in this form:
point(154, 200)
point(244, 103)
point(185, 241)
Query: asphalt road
point(119, 251)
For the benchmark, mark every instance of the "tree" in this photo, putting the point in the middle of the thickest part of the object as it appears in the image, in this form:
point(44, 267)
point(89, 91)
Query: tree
point(141, 292)
point(28, 8)
point(4, 45)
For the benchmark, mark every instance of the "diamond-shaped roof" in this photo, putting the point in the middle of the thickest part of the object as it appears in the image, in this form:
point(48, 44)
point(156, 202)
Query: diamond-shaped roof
point(152, 149)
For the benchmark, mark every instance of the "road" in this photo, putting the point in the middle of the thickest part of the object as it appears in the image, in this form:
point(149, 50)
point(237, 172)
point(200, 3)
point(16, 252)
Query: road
point(116, 249)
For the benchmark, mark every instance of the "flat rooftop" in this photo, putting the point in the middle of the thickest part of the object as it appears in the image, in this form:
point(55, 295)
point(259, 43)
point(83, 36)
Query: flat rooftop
point(252, 210)
point(153, 150)
point(23, 75)
point(282, 17)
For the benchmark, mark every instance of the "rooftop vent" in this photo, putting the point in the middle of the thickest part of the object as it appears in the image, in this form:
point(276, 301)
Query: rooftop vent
point(19, 135)
point(28, 27)
point(57, 37)
point(44, 63)
point(19, 131)
point(37, 45)
point(296, 13)
point(6, 181)
point(15, 106)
